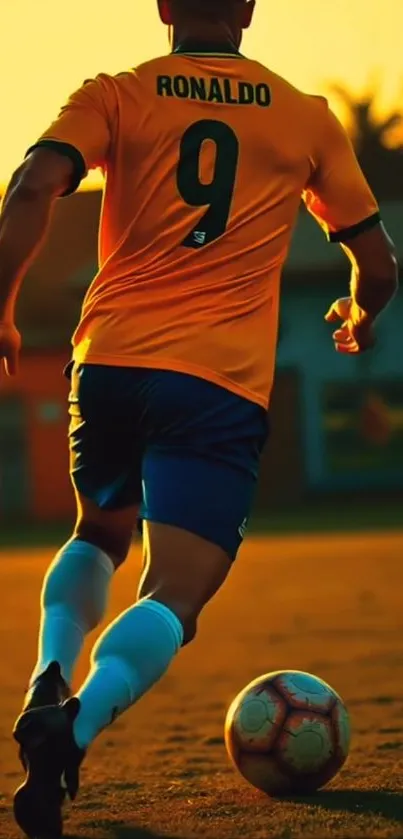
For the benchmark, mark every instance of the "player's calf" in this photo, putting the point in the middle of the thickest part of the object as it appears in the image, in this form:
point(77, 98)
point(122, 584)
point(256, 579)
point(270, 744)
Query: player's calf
point(183, 571)
point(75, 590)
point(73, 602)
point(129, 657)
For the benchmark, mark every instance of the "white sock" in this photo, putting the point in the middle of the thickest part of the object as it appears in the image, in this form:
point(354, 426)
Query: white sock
point(73, 601)
point(131, 655)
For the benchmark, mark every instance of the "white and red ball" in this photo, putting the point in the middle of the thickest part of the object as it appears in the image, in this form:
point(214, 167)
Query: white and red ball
point(288, 733)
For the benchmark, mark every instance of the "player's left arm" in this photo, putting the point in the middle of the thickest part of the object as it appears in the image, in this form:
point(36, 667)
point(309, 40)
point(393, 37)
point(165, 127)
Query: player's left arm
point(76, 142)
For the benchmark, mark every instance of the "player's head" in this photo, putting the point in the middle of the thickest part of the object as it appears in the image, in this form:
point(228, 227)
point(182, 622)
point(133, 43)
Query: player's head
point(207, 19)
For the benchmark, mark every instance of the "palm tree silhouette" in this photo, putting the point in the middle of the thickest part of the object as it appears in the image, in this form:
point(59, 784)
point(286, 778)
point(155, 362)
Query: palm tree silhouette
point(381, 162)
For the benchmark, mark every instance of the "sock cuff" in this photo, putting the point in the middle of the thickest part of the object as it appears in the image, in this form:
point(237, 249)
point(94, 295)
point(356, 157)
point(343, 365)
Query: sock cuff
point(167, 616)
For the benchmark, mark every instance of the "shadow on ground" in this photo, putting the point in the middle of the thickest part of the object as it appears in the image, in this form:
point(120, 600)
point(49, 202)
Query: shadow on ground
point(388, 804)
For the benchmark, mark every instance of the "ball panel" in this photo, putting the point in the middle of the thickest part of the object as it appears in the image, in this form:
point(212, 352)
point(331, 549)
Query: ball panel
point(305, 744)
point(302, 690)
point(255, 721)
point(264, 773)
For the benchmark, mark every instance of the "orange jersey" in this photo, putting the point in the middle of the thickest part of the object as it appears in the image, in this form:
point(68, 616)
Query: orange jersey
point(206, 156)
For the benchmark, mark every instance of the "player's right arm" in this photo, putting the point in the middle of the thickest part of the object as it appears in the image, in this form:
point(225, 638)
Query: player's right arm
point(340, 199)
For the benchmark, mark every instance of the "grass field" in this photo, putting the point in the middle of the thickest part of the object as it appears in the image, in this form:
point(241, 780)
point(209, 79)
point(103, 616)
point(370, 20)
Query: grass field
point(330, 605)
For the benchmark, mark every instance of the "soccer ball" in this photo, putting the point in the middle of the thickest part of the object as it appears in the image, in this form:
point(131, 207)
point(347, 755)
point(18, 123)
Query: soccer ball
point(287, 732)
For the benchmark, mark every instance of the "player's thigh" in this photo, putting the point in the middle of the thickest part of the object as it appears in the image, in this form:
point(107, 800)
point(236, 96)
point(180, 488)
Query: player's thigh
point(107, 486)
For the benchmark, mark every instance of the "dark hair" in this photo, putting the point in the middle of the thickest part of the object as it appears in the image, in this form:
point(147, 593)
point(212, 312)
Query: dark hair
point(210, 10)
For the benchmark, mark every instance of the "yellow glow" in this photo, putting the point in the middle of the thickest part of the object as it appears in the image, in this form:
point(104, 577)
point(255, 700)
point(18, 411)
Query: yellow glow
point(47, 50)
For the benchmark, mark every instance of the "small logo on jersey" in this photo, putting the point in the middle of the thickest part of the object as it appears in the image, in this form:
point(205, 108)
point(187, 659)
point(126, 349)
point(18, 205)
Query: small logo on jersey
point(243, 528)
point(199, 237)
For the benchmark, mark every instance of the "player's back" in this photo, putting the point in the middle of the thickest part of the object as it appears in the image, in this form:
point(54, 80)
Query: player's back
point(207, 159)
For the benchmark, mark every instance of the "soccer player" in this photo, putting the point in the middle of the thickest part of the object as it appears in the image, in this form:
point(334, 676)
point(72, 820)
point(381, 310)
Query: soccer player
point(206, 154)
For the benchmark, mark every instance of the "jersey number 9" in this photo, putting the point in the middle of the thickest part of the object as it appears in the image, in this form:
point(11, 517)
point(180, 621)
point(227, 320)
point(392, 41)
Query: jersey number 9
point(219, 193)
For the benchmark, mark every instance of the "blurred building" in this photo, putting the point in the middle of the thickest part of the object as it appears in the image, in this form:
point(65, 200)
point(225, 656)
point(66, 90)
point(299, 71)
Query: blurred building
point(337, 421)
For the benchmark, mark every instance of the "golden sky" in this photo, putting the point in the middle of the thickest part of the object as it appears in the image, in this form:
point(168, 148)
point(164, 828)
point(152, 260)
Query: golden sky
point(47, 49)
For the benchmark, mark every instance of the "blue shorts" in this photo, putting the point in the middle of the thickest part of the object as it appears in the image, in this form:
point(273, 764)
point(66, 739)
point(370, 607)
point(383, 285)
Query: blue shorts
point(183, 449)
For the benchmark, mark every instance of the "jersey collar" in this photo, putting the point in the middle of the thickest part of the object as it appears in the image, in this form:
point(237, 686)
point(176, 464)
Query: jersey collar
point(223, 49)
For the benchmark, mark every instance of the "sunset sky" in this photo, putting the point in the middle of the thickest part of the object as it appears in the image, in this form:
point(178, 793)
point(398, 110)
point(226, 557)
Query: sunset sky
point(47, 50)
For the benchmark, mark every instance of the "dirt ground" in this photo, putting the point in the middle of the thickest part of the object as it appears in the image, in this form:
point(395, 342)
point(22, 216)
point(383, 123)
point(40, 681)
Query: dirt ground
point(330, 605)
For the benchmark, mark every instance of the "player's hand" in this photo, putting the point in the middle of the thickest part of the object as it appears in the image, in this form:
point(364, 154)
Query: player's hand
point(356, 333)
point(10, 344)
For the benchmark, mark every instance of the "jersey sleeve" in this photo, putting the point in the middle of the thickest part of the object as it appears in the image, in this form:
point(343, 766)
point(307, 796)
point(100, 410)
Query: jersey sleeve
point(338, 195)
point(83, 129)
